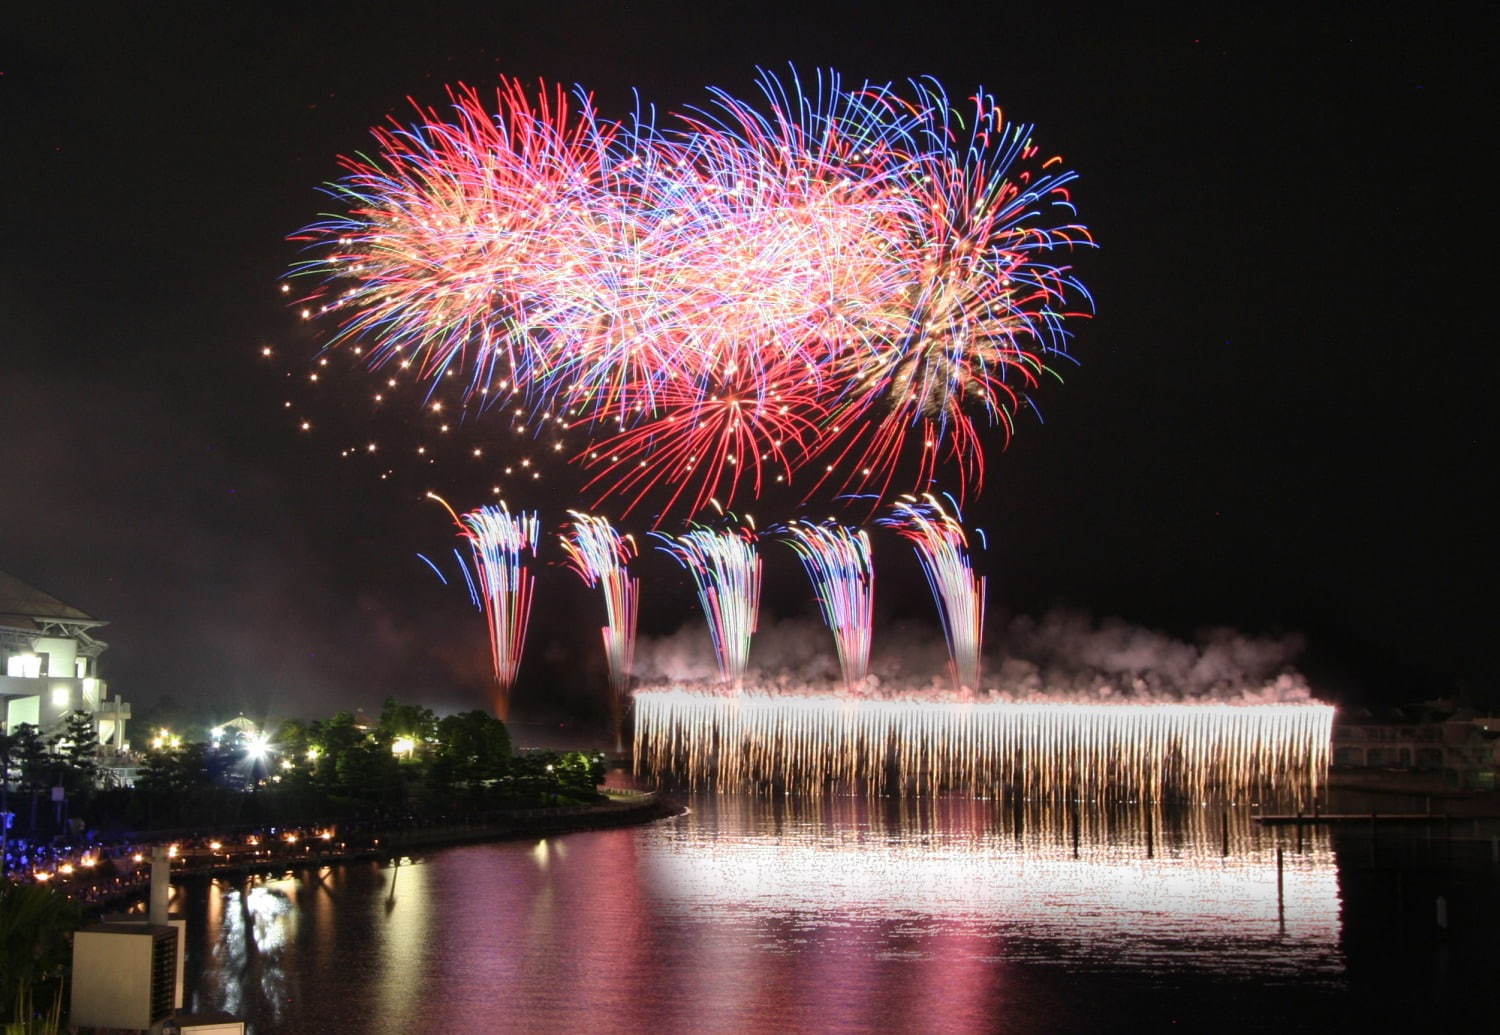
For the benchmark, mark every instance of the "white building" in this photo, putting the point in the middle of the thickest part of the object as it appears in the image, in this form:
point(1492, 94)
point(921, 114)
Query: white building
point(52, 664)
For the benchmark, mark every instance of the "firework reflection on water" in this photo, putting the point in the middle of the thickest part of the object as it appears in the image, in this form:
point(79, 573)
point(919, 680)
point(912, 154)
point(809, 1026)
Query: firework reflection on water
point(1141, 886)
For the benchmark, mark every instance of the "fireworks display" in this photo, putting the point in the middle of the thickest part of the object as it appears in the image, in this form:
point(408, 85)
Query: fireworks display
point(942, 547)
point(726, 569)
point(837, 561)
point(841, 285)
point(1111, 752)
point(835, 288)
point(599, 554)
point(499, 542)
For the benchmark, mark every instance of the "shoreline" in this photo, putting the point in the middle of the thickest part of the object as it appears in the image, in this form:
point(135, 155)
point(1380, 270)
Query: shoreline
point(282, 857)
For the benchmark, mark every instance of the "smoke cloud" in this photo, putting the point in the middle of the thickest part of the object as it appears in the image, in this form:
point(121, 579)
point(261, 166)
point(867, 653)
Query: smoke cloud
point(1065, 655)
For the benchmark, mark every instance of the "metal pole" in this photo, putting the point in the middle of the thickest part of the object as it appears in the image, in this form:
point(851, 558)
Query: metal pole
point(1280, 889)
point(161, 884)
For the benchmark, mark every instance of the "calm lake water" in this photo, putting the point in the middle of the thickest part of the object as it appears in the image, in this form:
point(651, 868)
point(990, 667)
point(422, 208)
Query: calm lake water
point(769, 914)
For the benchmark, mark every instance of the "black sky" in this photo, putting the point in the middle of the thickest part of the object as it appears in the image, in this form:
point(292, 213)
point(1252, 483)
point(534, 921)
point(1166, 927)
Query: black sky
point(1278, 421)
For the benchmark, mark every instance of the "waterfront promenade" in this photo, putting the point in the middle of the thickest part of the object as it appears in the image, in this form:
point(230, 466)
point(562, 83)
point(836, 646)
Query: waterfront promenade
point(111, 874)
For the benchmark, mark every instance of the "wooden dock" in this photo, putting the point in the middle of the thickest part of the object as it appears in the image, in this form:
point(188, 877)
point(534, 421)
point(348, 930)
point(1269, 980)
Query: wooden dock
point(1346, 818)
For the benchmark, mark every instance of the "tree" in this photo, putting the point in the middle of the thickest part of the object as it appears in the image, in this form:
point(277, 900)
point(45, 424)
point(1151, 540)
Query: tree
point(292, 739)
point(7, 754)
point(405, 720)
point(333, 737)
point(35, 924)
point(32, 761)
point(579, 772)
point(76, 747)
point(472, 746)
point(368, 770)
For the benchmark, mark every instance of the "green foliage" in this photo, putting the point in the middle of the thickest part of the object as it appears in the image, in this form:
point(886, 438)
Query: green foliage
point(32, 762)
point(405, 720)
point(462, 763)
point(7, 758)
point(368, 770)
point(471, 746)
point(335, 735)
point(76, 748)
point(36, 924)
point(292, 739)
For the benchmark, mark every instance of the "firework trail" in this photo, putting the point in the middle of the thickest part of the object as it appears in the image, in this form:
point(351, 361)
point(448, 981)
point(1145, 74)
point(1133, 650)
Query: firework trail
point(848, 283)
point(600, 554)
point(837, 560)
point(726, 569)
point(942, 547)
point(499, 541)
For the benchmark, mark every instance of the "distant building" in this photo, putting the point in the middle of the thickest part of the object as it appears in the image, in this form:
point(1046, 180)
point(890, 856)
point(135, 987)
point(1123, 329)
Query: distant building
point(51, 659)
point(1457, 753)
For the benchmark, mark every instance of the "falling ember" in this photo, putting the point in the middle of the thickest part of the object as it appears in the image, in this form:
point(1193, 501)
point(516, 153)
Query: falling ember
point(1054, 750)
point(599, 554)
point(942, 547)
point(499, 541)
point(837, 560)
point(726, 570)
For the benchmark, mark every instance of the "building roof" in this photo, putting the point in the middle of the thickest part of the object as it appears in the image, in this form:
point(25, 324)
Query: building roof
point(24, 606)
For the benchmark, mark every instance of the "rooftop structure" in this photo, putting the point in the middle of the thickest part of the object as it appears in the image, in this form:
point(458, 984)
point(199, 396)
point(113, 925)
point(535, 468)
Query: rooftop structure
point(51, 656)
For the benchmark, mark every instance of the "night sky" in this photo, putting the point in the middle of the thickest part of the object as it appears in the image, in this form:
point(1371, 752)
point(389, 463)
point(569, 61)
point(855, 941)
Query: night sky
point(1276, 422)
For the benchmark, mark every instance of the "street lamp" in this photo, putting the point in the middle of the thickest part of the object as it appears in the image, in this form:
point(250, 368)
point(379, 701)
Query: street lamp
point(257, 746)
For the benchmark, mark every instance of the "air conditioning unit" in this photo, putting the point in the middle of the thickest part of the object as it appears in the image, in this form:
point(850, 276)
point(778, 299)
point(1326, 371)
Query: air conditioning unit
point(124, 975)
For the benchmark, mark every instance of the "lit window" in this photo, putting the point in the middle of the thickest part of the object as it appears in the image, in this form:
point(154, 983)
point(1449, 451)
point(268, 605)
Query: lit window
point(24, 666)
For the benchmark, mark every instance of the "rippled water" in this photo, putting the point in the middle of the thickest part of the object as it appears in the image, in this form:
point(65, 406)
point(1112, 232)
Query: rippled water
point(769, 914)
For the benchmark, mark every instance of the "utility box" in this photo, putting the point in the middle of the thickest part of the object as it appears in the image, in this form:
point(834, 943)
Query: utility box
point(124, 975)
point(203, 1024)
point(174, 921)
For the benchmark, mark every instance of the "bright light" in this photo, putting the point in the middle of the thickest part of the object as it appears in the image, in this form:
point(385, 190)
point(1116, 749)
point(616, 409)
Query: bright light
point(24, 666)
point(214, 846)
point(61, 696)
point(257, 746)
point(403, 746)
point(313, 753)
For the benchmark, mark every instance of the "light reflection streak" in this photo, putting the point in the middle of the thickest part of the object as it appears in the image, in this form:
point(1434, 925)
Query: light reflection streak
point(407, 914)
point(1098, 752)
point(1008, 880)
point(255, 923)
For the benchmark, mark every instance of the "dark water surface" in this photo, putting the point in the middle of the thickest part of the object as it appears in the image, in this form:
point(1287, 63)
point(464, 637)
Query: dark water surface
point(766, 914)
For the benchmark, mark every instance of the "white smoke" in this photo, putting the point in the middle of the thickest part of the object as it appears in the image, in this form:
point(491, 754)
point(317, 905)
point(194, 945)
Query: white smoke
point(1066, 655)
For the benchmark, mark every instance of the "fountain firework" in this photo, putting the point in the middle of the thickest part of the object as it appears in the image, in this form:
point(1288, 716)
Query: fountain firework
point(726, 569)
point(1084, 751)
point(499, 541)
point(837, 560)
point(599, 554)
point(942, 547)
